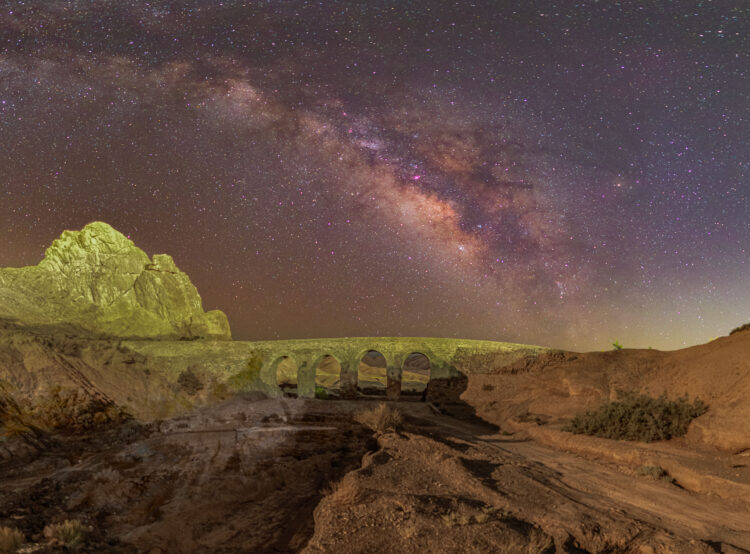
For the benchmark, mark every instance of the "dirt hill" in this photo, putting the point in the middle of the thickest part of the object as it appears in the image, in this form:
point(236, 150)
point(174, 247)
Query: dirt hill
point(554, 386)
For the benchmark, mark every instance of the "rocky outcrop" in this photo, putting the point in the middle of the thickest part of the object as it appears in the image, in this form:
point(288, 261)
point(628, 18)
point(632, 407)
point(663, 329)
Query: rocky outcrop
point(97, 282)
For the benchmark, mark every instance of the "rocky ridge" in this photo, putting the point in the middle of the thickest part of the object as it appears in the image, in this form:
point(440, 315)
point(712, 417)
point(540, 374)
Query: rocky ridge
point(96, 282)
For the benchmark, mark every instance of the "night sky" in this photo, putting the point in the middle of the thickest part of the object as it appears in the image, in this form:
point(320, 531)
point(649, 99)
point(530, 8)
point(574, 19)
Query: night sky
point(557, 173)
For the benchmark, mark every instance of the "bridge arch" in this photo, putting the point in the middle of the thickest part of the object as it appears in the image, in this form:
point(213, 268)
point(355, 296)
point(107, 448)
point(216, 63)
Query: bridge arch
point(284, 370)
point(328, 375)
point(416, 371)
point(371, 367)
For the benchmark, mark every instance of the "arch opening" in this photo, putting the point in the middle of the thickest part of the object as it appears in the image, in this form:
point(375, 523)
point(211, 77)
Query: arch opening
point(286, 376)
point(372, 374)
point(415, 375)
point(328, 377)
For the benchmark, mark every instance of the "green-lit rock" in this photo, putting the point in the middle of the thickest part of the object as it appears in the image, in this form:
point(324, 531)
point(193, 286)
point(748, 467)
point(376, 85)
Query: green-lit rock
point(96, 281)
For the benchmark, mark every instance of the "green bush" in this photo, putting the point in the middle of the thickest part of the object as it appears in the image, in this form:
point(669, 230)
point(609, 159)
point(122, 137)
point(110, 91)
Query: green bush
point(638, 417)
point(321, 393)
point(744, 327)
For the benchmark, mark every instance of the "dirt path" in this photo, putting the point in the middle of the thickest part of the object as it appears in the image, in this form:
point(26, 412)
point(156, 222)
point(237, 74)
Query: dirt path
point(447, 485)
point(598, 486)
point(607, 488)
point(289, 475)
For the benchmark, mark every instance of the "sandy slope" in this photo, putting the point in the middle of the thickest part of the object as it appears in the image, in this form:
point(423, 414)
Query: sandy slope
point(557, 385)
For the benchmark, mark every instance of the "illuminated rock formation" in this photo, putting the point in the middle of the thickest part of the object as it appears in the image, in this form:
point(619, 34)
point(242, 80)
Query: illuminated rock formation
point(97, 282)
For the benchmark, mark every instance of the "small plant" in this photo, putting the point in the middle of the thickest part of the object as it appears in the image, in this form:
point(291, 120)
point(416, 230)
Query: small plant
point(74, 410)
point(70, 533)
point(654, 472)
point(617, 345)
point(189, 382)
point(321, 393)
point(454, 519)
point(381, 419)
point(10, 539)
point(345, 492)
point(528, 417)
point(107, 475)
point(638, 417)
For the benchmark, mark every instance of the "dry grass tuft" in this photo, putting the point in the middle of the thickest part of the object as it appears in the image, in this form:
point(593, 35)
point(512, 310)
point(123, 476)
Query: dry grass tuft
point(656, 473)
point(74, 410)
point(345, 492)
point(10, 540)
point(107, 475)
point(536, 542)
point(109, 488)
point(539, 542)
point(381, 419)
point(70, 533)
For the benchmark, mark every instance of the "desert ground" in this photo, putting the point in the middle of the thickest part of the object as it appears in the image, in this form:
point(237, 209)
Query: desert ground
point(491, 471)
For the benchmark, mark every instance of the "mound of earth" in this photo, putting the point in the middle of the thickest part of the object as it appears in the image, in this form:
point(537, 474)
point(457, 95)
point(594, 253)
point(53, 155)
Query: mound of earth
point(96, 282)
point(554, 386)
point(58, 381)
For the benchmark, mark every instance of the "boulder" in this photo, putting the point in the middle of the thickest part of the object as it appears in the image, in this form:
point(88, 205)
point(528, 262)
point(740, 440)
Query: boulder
point(97, 282)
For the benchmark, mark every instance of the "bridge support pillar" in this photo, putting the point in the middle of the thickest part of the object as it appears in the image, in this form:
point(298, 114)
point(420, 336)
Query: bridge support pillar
point(348, 379)
point(393, 387)
point(306, 379)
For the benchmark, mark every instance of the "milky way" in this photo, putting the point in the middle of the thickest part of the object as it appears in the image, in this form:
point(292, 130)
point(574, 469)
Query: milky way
point(566, 175)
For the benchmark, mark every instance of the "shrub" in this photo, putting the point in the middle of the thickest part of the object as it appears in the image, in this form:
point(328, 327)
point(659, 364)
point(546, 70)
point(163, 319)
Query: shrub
point(744, 327)
point(17, 421)
point(380, 419)
point(107, 475)
point(109, 489)
point(189, 382)
point(654, 472)
point(527, 417)
point(617, 345)
point(321, 393)
point(69, 533)
point(10, 539)
point(345, 492)
point(74, 410)
point(638, 417)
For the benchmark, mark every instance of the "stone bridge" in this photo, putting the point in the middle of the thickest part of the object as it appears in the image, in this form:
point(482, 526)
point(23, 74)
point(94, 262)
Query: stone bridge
point(444, 355)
